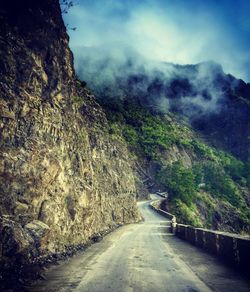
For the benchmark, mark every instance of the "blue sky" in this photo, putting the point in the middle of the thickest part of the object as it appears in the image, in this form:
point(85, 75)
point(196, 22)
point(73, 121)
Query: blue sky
point(177, 31)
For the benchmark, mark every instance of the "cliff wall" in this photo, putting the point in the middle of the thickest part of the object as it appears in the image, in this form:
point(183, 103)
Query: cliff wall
point(63, 179)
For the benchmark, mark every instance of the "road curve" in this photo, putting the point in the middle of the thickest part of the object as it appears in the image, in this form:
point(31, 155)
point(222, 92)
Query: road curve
point(142, 257)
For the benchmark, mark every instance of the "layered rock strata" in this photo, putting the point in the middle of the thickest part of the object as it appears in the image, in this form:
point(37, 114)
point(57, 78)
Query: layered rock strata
point(63, 179)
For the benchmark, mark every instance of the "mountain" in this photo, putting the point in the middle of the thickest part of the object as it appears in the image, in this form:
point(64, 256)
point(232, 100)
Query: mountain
point(72, 165)
point(216, 104)
point(186, 129)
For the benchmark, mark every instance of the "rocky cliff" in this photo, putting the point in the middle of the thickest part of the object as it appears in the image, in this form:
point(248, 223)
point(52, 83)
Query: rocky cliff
point(63, 179)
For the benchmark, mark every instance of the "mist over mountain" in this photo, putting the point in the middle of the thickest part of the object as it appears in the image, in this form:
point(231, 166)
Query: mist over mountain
point(182, 32)
point(193, 90)
point(215, 103)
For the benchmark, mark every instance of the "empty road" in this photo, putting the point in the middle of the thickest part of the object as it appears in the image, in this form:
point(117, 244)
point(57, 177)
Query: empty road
point(142, 257)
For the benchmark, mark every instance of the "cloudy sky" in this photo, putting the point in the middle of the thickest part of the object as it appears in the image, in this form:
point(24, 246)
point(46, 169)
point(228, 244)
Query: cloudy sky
point(178, 31)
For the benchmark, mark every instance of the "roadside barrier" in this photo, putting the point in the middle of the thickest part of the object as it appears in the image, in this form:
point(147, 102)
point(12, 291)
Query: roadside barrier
point(233, 249)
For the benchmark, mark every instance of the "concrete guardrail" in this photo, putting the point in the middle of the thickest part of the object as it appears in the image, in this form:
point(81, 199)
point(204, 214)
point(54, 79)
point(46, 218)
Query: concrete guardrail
point(231, 248)
point(155, 205)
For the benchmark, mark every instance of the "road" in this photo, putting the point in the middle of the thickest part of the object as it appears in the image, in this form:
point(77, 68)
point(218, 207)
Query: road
point(142, 257)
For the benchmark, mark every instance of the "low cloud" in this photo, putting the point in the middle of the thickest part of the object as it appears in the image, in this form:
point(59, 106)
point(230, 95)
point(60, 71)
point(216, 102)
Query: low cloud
point(170, 31)
point(130, 48)
point(194, 90)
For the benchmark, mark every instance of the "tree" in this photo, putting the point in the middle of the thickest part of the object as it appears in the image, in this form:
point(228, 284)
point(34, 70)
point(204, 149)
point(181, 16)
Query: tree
point(219, 183)
point(66, 5)
point(180, 182)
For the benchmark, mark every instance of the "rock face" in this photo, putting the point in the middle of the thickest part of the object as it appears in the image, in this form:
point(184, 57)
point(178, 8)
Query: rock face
point(62, 178)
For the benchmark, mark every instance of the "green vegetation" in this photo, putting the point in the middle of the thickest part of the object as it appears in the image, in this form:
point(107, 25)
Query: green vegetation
point(77, 100)
point(183, 185)
point(185, 214)
point(220, 184)
point(180, 182)
point(214, 177)
point(247, 173)
point(201, 149)
point(146, 134)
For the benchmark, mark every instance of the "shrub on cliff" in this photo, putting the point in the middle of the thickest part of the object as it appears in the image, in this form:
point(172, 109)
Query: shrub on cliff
point(220, 184)
point(180, 182)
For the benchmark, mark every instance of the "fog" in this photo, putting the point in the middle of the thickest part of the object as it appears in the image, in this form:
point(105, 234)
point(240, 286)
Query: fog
point(182, 32)
point(115, 41)
point(161, 86)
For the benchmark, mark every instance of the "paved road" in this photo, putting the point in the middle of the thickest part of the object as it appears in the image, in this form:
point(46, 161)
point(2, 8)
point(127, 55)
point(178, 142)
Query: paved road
point(142, 257)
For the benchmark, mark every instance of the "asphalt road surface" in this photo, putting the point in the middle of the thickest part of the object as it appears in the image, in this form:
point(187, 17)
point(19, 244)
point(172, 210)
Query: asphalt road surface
point(142, 257)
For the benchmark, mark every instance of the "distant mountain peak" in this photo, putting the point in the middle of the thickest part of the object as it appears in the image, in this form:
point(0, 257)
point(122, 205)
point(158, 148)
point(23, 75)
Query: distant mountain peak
point(201, 92)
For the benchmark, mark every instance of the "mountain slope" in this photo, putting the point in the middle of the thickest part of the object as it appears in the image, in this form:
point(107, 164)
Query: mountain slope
point(187, 127)
point(215, 104)
point(206, 187)
point(177, 121)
